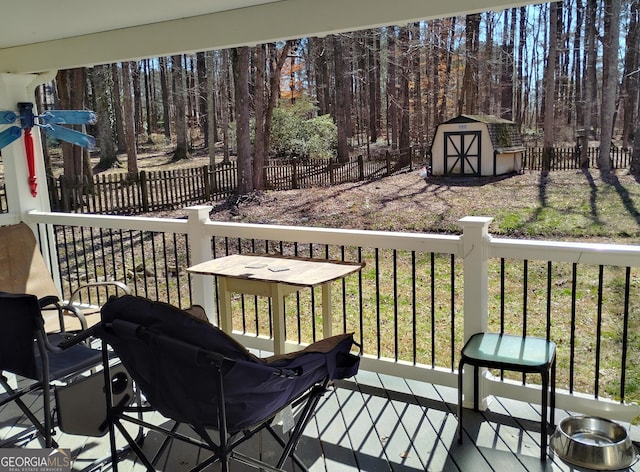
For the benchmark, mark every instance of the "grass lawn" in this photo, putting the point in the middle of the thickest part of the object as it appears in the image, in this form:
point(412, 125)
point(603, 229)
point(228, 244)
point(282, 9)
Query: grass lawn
point(565, 205)
point(561, 205)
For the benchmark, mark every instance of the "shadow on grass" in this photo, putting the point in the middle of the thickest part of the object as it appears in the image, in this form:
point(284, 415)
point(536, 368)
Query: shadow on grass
point(593, 193)
point(611, 178)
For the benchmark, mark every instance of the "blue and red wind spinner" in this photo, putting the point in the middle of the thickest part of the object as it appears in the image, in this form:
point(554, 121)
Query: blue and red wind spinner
point(49, 122)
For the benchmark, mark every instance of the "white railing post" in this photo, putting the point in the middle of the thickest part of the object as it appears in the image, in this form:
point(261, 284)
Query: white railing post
point(475, 237)
point(200, 247)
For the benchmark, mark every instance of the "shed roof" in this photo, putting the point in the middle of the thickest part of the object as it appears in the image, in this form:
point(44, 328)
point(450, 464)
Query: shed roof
point(504, 134)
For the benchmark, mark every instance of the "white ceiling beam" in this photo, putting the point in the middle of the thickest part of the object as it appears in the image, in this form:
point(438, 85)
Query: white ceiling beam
point(287, 19)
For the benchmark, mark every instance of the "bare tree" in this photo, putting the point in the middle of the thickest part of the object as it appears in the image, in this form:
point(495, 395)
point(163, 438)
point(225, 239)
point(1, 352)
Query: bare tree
point(609, 81)
point(635, 157)
point(240, 60)
point(164, 85)
point(260, 152)
point(469, 96)
point(211, 106)
point(340, 106)
point(129, 119)
point(121, 139)
point(374, 85)
point(392, 87)
point(203, 85)
point(549, 88)
point(102, 83)
point(403, 98)
point(71, 90)
point(177, 72)
point(589, 80)
point(630, 82)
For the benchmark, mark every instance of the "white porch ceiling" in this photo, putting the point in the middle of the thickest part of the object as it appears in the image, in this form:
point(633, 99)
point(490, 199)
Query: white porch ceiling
point(38, 36)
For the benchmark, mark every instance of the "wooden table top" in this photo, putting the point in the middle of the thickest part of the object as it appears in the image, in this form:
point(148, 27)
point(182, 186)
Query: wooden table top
point(276, 268)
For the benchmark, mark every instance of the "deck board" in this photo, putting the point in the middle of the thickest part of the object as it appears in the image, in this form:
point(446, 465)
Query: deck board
point(372, 423)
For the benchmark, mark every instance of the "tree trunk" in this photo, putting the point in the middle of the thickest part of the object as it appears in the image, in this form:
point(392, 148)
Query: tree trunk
point(631, 83)
point(147, 96)
point(226, 111)
point(405, 141)
point(177, 71)
point(549, 89)
point(71, 90)
point(211, 107)
point(121, 139)
point(417, 73)
point(102, 83)
point(240, 62)
point(340, 106)
point(137, 96)
point(372, 82)
point(202, 95)
point(589, 80)
point(575, 104)
point(469, 96)
point(165, 98)
point(392, 92)
point(522, 41)
point(506, 81)
point(129, 117)
point(609, 81)
point(260, 153)
point(635, 156)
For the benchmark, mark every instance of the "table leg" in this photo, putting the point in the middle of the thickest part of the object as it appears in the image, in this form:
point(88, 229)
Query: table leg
point(278, 319)
point(327, 329)
point(226, 323)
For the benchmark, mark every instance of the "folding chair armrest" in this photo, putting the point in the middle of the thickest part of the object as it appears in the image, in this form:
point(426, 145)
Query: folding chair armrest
point(78, 338)
point(48, 301)
point(54, 301)
point(111, 283)
point(47, 344)
point(77, 313)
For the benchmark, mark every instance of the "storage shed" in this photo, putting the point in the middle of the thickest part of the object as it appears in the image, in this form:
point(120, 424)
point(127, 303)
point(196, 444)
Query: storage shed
point(479, 145)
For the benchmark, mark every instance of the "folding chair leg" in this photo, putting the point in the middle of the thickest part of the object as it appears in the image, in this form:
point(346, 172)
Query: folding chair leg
point(134, 446)
point(305, 416)
point(43, 429)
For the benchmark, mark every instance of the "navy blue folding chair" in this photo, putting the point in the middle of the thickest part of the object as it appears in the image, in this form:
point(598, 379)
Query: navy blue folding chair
point(196, 375)
point(36, 358)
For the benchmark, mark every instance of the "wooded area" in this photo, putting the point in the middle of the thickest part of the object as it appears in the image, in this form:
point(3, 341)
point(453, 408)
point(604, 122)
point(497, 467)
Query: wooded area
point(566, 73)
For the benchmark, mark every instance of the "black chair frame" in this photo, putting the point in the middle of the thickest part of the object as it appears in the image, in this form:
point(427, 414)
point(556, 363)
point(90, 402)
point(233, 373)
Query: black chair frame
point(223, 450)
point(39, 357)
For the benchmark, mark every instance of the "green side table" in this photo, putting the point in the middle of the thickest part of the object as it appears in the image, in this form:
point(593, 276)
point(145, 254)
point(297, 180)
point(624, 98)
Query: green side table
point(515, 353)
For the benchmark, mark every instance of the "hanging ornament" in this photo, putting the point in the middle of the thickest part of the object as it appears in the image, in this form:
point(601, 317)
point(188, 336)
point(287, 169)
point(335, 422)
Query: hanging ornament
point(49, 122)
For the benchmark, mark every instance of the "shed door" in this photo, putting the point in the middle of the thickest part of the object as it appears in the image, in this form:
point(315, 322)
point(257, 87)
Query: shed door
point(462, 153)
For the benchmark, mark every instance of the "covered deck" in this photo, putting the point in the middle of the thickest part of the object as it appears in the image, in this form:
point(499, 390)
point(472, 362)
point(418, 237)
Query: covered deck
point(399, 413)
point(411, 308)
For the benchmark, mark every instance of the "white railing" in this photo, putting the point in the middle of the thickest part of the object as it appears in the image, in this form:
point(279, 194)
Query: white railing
point(475, 248)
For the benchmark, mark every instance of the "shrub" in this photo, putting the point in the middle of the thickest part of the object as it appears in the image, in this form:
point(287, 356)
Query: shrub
point(296, 132)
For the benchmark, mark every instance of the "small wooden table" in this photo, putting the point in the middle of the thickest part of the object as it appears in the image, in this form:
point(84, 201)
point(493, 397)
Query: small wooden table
point(275, 277)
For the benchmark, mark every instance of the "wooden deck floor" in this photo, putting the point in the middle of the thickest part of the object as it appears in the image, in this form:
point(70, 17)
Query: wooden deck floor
point(372, 423)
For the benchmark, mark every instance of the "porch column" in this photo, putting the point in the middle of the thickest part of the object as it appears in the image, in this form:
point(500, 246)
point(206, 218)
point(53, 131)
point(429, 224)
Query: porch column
point(16, 88)
point(475, 237)
point(200, 247)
